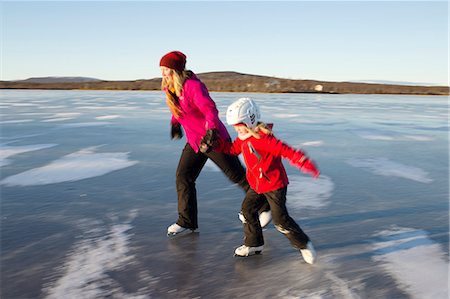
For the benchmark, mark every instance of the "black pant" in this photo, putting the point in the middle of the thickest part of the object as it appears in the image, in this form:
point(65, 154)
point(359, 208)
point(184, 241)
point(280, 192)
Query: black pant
point(189, 168)
point(280, 217)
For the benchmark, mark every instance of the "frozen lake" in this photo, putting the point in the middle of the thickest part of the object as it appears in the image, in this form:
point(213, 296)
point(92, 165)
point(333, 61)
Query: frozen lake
point(88, 190)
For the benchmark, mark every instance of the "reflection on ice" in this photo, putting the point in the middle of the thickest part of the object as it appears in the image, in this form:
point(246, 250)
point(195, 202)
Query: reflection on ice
point(57, 119)
point(210, 166)
point(15, 121)
point(312, 143)
point(418, 264)
point(107, 117)
point(384, 135)
point(84, 124)
point(65, 114)
point(86, 273)
point(73, 167)
point(306, 192)
point(385, 167)
point(8, 151)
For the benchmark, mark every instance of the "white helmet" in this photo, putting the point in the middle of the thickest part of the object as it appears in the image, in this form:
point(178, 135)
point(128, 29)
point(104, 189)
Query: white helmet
point(243, 111)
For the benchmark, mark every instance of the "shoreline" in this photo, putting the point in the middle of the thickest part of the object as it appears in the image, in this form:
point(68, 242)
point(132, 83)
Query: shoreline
point(225, 91)
point(237, 82)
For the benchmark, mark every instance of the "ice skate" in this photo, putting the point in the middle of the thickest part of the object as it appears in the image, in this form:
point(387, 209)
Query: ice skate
point(246, 250)
point(176, 229)
point(264, 218)
point(309, 253)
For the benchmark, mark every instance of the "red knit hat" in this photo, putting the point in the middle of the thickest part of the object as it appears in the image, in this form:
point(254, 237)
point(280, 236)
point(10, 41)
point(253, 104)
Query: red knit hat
point(174, 60)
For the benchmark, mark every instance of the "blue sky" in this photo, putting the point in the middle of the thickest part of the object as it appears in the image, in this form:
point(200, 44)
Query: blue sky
point(331, 41)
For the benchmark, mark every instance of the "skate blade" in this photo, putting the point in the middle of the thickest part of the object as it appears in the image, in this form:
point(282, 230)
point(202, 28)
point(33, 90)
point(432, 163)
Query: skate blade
point(185, 232)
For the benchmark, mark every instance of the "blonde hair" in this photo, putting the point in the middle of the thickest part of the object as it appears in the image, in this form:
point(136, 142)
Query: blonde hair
point(260, 127)
point(174, 89)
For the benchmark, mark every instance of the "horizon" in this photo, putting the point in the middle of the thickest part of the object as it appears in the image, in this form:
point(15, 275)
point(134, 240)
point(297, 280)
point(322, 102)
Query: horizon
point(336, 41)
point(368, 81)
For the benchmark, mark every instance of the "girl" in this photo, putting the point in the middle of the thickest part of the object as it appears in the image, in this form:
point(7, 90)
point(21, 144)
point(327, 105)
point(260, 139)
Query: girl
point(193, 109)
point(266, 175)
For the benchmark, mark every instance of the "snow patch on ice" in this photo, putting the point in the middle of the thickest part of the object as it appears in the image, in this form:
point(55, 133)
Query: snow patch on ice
point(335, 288)
point(66, 114)
point(73, 167)
point(385, 167)
point(90, 261)
point(61, 116)
point(211, 166)
point(17, 121)
point(85, 124)
point(312, 143)
point(52, 107)
point(56, 119)
point(383, 135)
point(306, 192)
point(108, 117)
point(22, 104)
point(285, 115)
point(9, 151)
point(418, 264)
point(122, 108)
point(419, 137)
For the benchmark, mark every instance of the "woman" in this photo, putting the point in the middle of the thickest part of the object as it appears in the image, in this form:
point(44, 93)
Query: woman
point(193, 109)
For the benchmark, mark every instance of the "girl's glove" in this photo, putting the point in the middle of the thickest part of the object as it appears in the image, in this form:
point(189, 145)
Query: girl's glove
point(306, 165)
point(209, 141)
point(176, 132)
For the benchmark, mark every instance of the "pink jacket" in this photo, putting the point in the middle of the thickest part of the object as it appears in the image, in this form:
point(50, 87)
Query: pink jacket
point(198, 113)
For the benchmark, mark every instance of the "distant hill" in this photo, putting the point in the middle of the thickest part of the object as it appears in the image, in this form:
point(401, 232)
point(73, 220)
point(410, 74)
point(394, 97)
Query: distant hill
point(58, 80)
point(394, 82)
point(230, 82)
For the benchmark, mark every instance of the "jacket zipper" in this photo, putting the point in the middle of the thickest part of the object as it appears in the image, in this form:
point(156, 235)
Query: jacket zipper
point(263, 175)
point(252, 151)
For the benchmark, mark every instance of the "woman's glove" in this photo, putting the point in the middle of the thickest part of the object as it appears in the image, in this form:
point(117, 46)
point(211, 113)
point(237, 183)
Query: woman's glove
point(176, 132)
point(208, 141)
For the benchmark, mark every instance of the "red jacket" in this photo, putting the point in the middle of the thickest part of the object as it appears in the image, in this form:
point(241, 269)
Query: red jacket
point(265, 171)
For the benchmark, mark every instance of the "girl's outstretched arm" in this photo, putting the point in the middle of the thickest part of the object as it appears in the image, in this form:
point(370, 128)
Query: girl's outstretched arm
point(296, 157)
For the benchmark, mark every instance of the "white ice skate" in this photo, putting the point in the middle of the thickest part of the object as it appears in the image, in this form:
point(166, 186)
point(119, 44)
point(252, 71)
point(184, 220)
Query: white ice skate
point(246, 251)
point(309, 253)
point(176, 229)
point(264, 218)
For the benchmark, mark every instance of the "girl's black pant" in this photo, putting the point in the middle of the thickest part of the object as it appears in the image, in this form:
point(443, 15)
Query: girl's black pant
point(280, 217)
point(188, 170)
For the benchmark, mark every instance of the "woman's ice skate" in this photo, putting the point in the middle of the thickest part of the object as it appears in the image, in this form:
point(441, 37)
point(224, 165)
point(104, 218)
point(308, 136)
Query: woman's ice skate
point(176, 229)
point(246, 250)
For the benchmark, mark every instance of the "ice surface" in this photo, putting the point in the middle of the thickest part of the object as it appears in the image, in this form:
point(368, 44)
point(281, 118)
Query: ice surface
point(88, 190)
